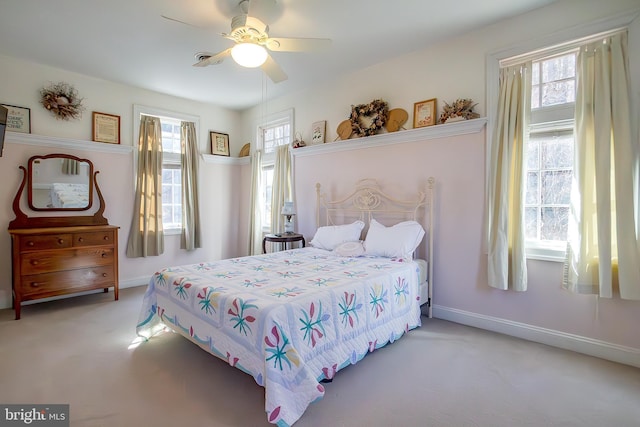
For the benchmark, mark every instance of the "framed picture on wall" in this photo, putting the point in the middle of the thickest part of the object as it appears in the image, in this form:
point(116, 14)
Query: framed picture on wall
point(219, 143)
point(106, 128)
point(18, 118)
point(424, 113)
point(317, 132)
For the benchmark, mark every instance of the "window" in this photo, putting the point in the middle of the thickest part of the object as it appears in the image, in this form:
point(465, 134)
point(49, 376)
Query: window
point(550, 139)
point(550, 152)
point(171, 174)
point(549, 146)
point(171, 163)
point(274, 132)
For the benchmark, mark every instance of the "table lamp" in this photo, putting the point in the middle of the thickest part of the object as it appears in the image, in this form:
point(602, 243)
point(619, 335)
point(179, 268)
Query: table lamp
point(288, 211)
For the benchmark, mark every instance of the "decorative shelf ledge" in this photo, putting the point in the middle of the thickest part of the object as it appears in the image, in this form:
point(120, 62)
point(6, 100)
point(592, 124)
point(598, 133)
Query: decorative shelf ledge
point(224, 160)
point(57, 142)
point(400, 137)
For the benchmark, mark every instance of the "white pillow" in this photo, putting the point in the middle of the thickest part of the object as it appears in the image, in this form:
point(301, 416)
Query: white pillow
point(350, 249)
point(330, 236)
point(398, 241)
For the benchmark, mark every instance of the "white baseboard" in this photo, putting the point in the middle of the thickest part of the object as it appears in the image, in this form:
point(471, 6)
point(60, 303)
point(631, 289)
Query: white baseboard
point(602, 349)
point(6, 298)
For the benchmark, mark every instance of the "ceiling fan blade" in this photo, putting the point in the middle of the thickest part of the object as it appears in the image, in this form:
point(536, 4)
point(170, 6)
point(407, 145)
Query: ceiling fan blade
point(282, 44)
point(213, 59)
point(273, 70)
point(183, 22)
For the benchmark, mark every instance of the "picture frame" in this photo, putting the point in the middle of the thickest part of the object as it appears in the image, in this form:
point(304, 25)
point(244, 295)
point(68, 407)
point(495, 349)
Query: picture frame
point(18, 118)
point(105, 128)
point(219, 143)
point(425, 113)
point(318, 131)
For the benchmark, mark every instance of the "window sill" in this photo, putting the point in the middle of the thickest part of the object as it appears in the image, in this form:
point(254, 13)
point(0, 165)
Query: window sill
point(172, 232)
point(545, 254)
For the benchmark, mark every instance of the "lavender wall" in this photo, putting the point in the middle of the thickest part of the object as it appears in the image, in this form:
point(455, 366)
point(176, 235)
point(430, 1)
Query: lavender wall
point(460, 278)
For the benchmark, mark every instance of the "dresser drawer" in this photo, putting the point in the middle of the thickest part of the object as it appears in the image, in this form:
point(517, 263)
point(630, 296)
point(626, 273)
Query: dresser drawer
point(46, 241)
point(95, 238)
point(49, 284)
point(46, 261)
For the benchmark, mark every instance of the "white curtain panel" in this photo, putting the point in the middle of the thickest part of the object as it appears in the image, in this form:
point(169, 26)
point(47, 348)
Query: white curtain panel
point(602, 248)
point(146, 237)
point(507, 267)
point(282, 187)
point(256, 208)
point(190, 238)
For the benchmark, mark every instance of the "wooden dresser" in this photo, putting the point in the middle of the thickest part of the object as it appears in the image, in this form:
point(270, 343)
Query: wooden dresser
point(66, 253)
point(56, 261)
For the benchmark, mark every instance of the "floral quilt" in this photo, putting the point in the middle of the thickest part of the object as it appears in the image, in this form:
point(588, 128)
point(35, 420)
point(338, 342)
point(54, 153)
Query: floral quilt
point(290, 319)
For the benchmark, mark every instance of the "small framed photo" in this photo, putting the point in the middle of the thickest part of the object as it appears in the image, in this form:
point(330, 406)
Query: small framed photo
point(424, 113)
point(18, 118)
point(106, 128)
point(318, 130)
point(219, 143)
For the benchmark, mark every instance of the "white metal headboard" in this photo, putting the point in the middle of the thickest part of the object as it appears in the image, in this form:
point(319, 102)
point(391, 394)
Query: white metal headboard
point(368, 201)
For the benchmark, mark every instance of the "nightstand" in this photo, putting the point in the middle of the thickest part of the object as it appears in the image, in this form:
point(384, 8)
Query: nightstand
point(284, 239)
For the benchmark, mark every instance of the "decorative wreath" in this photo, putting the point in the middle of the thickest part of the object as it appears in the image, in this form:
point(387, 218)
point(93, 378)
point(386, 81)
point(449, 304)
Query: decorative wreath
point(62, 100)
point(377, 110)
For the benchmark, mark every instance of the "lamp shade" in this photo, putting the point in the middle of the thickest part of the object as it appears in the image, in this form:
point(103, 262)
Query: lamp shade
point(249, 55)
point(287, 209)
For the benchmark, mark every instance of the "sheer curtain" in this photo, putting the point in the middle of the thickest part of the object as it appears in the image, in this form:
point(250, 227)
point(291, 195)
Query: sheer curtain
point(507, 267)
point(146, 237)
point(282, 187)
point(190, 238)
point(602, 247)
point(256, 208)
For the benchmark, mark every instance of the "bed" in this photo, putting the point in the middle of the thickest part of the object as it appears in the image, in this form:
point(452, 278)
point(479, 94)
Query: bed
point(293, 319)
point(69, 195)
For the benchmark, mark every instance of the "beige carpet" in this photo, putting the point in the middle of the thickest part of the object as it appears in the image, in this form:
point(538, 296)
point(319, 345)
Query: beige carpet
point(77, 351)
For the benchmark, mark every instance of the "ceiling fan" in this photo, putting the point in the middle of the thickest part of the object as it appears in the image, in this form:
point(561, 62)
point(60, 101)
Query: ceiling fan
point(252, 42)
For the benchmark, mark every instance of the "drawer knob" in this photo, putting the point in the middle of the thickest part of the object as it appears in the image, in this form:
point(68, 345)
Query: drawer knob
point(104, 255)
point(106, 237)
point(80, 239)
point(60, 241)
point(34, 262)
point(104, 274)
point(34, 284)
point(30, 243)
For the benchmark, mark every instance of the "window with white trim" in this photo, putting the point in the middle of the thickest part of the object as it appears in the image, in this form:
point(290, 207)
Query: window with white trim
point(550, 140)
point(170, 123)
point(274, 132)
point(550, 151)
point(171, 174)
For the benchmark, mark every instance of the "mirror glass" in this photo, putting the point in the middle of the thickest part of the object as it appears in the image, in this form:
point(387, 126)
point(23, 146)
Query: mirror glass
point(60, 182)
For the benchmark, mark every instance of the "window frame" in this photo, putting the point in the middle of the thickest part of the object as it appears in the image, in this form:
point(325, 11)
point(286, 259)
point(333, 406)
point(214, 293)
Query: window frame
point(535, 49)
point(167, 158)
point(268, 159)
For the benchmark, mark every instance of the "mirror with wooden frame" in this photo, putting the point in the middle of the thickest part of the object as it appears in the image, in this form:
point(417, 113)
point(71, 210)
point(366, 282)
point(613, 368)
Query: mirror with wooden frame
point(78, 179)
point(59, 182)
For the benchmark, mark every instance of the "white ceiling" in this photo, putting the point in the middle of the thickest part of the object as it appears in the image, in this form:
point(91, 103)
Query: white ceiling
point(127, 41)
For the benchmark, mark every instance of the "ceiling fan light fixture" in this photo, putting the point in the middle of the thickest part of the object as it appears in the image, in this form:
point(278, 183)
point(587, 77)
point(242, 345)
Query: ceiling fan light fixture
point(249, 55)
